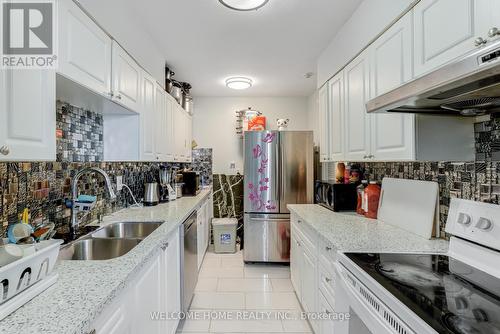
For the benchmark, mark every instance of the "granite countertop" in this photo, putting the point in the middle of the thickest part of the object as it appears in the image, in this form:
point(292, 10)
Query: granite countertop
point(353, 233)
point(85, 288)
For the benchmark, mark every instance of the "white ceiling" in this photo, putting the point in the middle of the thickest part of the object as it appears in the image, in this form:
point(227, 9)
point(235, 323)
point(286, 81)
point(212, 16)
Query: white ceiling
point(205, 42)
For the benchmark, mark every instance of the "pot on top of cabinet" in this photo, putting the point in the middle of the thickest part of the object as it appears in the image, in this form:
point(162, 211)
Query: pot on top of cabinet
point(176, 91)
point(187, 99)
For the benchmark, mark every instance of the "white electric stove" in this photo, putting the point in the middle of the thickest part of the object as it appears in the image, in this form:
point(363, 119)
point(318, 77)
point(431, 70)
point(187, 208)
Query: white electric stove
point(457, 292)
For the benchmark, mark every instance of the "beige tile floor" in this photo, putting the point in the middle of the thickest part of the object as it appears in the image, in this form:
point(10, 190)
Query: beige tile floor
point(227, 286)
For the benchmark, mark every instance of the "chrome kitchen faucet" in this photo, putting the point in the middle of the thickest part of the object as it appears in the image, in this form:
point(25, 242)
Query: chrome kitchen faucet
point(74, 189)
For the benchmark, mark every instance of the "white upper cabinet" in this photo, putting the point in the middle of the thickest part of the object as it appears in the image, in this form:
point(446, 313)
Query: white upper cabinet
point(27, 115)
point(336, 117)
point(170, 127)
point(188, 137)
point(357, 121)
point(147, 116)
point(392, 135)
point(324, 130)
point(447, 29)
point(126, 76)
point(84, 49)
point(161, 124)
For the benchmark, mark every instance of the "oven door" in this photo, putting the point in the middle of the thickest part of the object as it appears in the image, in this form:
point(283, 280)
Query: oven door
point(367, 314)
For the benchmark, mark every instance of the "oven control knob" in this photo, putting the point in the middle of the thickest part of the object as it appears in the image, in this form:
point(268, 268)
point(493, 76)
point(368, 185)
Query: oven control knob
point(464, 219)
point(484, 224)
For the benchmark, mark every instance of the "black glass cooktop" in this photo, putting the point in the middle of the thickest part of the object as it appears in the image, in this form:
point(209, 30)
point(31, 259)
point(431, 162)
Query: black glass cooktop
point(449, 295)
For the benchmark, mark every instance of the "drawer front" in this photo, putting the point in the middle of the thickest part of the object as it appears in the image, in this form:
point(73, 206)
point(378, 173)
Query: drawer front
point(326, 281)
point(326, 326)
point(308, 236)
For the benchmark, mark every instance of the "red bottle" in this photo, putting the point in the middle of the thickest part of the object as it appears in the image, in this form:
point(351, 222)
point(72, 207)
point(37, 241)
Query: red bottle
point(372, 198)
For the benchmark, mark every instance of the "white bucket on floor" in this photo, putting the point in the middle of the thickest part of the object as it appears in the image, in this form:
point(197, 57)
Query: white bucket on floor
point(224, 230)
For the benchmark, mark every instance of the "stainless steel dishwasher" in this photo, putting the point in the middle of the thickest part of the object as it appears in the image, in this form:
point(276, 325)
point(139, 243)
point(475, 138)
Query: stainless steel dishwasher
point(189, 270)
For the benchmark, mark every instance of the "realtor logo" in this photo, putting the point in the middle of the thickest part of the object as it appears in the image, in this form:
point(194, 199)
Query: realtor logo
point(28, 34)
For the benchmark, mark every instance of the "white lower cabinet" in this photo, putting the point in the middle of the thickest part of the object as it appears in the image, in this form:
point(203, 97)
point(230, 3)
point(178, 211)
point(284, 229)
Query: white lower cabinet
point(148, 298)
point(312, 273)
point(303, 267)
point(155, 290)
point(204, 219)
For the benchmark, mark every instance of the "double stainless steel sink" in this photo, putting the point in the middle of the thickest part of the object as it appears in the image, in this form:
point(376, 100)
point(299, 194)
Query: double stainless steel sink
point(108, 242)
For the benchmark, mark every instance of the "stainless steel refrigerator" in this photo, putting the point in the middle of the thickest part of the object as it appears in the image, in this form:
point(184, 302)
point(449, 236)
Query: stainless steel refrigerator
point(279, 169)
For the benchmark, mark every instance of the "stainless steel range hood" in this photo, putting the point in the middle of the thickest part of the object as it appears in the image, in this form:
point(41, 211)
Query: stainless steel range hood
point(468, 86)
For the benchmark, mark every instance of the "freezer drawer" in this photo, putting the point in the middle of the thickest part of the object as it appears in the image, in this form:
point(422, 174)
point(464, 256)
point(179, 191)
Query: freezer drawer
point(267, 238)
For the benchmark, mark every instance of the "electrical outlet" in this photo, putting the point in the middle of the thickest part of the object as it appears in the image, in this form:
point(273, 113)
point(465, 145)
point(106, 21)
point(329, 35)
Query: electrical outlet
point(119, 183)
point(232, 165)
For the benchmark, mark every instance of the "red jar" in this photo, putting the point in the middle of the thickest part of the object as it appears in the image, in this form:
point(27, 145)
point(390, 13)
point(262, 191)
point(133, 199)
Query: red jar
point(372, 198)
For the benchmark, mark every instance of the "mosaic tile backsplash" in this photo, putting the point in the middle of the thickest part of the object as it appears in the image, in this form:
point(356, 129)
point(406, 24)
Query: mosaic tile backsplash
point(478, 181)
point(43, 187)
point(80, 134)
point(488, 139)
point(202, 163)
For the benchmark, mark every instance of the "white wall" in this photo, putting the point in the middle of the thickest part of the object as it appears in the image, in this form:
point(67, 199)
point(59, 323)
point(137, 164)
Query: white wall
point(370, 19)
point(214, 123)
point(313, 115)
point(126, 28)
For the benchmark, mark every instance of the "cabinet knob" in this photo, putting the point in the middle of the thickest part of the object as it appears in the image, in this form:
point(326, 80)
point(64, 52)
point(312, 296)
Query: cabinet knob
point(299, 221)
point(119, 96)
point(4, 150)
point(110, 94)
point(328, 248)
point(480, 41)
point(493, 32)
point(328, 280)
point(365, 157)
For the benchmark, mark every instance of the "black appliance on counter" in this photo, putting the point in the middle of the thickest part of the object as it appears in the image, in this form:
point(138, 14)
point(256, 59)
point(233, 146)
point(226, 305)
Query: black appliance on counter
point(336, 196)
point(191, 182)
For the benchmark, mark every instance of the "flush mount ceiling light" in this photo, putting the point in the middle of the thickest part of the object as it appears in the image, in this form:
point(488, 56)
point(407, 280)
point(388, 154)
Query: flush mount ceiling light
point(244, 5)
point(239, 83)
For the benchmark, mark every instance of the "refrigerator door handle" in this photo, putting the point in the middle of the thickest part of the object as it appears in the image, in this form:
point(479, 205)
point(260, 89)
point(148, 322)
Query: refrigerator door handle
point(271, 219)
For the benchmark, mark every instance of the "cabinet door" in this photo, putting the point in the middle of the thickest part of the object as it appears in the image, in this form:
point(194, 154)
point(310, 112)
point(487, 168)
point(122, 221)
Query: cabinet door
point(357, 121)
point(161, 124)
point(309, 282)
point(116, 319)
point(148, 299)
point(188, 136)
point(27, 115)
point(494, 12)
point(148, 117)
point(126, 79)
point(392, 135)
point(446, 29)
point(170, 128)
point(84, 49)
point(295, 263)
point(200, 221)
point(172, 282)
point(335, 130)
point(324, 149)
point(178, 133)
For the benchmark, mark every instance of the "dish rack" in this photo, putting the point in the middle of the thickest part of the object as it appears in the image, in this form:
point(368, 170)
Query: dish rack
point(27, 277)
